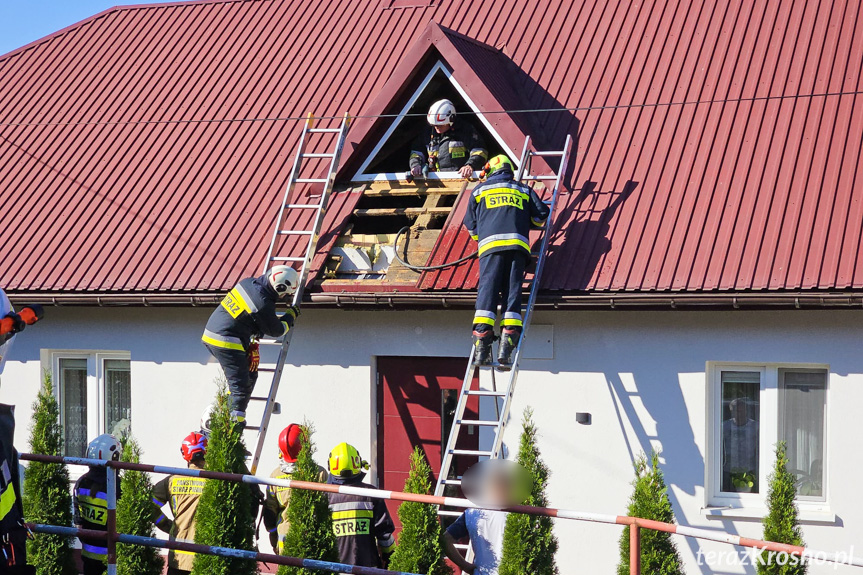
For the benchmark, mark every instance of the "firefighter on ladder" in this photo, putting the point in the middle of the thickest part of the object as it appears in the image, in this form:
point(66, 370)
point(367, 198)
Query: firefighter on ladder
point(499, 216)
point(182, 493)
point(363, 527)
point(91, 503)
point(275, 512)
point(246, 313)
point(13, 533)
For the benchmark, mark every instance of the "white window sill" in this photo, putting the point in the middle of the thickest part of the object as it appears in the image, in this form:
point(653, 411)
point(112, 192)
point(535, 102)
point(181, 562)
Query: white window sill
point(806, 515)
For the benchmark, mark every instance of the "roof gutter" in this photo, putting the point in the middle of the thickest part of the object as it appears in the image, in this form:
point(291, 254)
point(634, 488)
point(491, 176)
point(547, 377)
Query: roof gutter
point(466, 299)
point(605, 301)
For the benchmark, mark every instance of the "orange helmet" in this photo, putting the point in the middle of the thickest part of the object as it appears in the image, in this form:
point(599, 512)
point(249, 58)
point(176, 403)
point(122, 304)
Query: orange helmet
point(291, 442)
point(194, 444)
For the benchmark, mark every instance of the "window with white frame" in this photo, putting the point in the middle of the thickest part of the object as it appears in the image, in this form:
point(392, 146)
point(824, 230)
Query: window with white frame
point(95, 390)
point(754, 407)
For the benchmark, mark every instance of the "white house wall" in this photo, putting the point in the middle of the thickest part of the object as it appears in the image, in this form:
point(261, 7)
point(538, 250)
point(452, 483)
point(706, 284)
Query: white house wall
point(640, 374)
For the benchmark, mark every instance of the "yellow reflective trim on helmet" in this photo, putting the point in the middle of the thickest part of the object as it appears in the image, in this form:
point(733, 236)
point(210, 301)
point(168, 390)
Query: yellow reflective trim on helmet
point(224, 344)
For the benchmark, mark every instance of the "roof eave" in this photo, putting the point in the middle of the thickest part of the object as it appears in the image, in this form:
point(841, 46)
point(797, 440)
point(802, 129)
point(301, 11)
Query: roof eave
point(465, 299)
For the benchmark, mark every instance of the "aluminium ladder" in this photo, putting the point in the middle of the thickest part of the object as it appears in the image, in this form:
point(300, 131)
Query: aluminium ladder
point(502, 397)
point(321, 189)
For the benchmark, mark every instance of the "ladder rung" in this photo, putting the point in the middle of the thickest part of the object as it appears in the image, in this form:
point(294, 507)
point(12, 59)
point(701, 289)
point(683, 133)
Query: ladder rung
point(268, 341)
point(316, 155)
point(536, 178)
point(267, 369)
point(484, 392)
point(476, 452)
point(449, 513)
point(311, 180)
point(479, 422)
point(252, 427)
point(295, 233)
point(461, 545)
point(302, 206)
point(560, 153)
point(324, 130)
point(450, 481)
point(259, 398)
point(287, 259)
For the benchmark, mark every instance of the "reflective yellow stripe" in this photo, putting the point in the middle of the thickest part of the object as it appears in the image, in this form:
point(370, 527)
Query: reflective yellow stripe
point(501, 190)
point(537, 222)
point(479, 152)
point(516, 322)
point(7, 501)
point(474, 237)
point(353, 514)
point(484, 320)
point(502, 244)
point(225, 344)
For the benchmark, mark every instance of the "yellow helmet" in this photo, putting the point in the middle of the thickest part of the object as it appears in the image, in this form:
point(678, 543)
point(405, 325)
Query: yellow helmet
point(345, 461)
point(495, 164)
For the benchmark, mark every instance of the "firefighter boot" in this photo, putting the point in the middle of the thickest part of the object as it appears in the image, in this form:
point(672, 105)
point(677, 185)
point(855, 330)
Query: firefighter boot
point(508, 342)
point(482, 341)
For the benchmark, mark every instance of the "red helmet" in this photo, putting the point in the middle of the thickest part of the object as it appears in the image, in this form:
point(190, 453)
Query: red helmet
point(290, 443)
point(194, 444)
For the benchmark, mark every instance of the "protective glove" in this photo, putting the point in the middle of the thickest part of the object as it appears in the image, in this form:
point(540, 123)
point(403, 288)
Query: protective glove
point(254, 354)
point(290, 315)
point(12, 324)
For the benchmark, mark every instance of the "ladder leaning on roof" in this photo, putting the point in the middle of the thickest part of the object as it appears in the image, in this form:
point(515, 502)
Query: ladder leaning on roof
point(502, 397)
point(276, 255)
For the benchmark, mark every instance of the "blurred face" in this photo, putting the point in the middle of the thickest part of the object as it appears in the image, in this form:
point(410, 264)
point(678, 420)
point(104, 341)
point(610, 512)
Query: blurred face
point(442, 129)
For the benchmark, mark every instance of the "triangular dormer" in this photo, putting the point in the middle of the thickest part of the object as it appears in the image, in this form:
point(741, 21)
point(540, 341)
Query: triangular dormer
point(490, 92)
point(388, 159)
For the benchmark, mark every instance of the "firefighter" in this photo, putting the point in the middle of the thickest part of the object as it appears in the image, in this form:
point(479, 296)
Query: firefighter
point(182, 493)
point(499, 216)
point(91, 503)
point(12, 323)
point(275, 513)
point(246, 313)
point(13, 533)
point(445, 147)
point(363, 527)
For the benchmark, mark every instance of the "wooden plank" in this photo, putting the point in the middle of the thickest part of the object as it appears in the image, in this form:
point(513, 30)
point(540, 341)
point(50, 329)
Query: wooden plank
point(401, 192)
point(401, 211)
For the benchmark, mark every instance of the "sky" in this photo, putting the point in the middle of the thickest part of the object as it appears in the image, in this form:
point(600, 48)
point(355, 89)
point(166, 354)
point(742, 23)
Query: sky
point(22, 21)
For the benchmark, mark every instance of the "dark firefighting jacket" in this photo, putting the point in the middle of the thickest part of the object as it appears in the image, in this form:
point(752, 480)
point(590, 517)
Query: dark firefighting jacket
point(361, 525)
point(249, 310)
point(501, 212)
point(13, 535)
point(459, 146)
point(91, 510)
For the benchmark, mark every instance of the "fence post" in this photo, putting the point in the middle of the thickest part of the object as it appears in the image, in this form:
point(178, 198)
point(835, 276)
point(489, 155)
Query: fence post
point(112, 519)
point(634, 549)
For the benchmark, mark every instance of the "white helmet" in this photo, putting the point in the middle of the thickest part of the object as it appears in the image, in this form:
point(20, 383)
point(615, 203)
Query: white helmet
point(441, 113)
point(105, 447)
point(206, 419)
point(284, 280)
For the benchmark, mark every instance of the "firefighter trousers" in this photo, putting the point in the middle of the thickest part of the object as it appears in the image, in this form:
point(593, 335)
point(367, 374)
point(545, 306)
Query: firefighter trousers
point(241, 381)
point(501, 275)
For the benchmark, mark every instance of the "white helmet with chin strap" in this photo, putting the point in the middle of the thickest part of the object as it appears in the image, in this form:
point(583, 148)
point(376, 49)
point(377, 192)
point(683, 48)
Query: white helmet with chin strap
point(105, 447)
point(283, 279)
point(441, 113)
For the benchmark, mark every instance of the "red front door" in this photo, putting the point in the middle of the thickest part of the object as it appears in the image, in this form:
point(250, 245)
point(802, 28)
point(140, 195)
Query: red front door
point(416, 400)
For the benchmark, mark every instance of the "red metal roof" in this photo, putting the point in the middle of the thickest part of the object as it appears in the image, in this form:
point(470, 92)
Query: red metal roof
point(728, 157)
